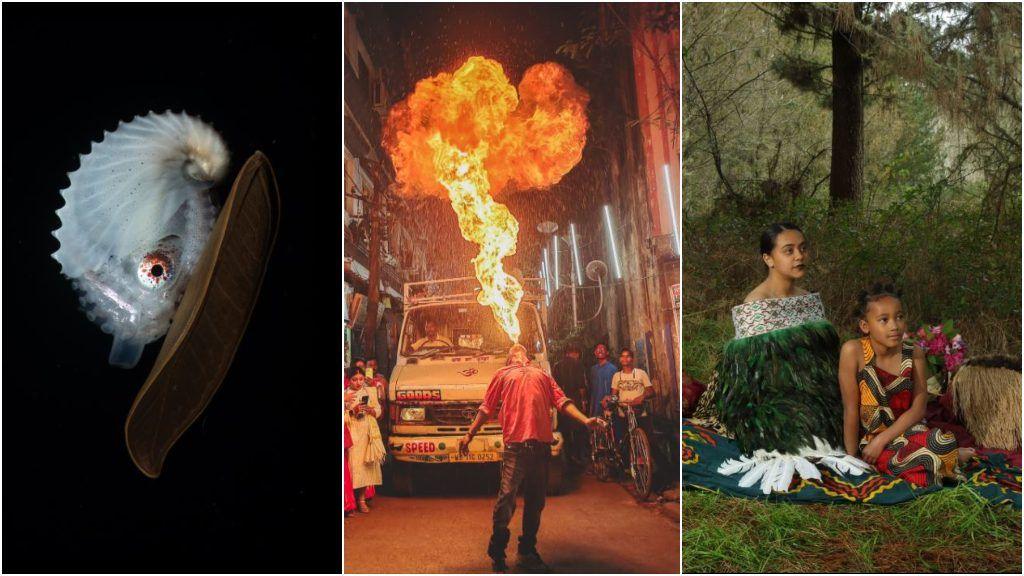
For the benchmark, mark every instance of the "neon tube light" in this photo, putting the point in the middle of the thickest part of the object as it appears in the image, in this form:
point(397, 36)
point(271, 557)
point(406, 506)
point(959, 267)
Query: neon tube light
point(554, 253)
point(672, 211)
point(611, 240)
point(575, 254)
point(547, 273)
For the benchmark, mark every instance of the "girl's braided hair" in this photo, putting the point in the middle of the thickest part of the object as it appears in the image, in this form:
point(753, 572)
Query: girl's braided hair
point(876, 292)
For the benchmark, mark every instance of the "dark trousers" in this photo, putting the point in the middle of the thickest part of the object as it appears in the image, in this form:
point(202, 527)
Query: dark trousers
point(523, 465)
point(577, 440)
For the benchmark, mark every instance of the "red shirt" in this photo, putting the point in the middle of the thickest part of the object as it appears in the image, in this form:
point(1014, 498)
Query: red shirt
point(524, 396)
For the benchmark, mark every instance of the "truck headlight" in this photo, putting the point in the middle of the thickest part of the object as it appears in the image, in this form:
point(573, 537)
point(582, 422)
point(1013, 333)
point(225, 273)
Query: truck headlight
point(416, 414)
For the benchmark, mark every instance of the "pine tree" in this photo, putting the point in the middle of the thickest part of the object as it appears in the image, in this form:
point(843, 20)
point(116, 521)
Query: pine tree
point(966, 55)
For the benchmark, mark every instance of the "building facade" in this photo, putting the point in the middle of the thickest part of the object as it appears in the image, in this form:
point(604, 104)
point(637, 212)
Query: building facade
point(644, 306)
point(377, 236)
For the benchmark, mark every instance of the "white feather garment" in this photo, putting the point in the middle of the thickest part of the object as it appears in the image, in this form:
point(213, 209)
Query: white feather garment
point(846, 465)
point(775, 471)
point(838, 460)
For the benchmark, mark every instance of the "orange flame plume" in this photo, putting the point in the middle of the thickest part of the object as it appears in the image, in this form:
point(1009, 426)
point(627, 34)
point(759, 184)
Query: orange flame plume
point(465, 134)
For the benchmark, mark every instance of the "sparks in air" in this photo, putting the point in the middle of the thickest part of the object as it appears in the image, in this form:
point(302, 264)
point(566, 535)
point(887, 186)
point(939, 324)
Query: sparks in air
point(467, 134)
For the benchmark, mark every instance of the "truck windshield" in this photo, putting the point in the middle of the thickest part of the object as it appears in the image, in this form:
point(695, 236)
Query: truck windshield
point(460, 329)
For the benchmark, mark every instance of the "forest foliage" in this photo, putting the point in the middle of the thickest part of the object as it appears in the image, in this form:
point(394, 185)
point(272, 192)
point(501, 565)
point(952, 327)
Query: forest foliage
point(938, 209)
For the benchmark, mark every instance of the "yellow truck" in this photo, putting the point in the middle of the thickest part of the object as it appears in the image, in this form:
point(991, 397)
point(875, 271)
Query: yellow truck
point(449, 349)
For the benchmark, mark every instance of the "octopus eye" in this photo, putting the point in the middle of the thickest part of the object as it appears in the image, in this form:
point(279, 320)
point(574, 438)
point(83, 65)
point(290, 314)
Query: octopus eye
point(155, 270)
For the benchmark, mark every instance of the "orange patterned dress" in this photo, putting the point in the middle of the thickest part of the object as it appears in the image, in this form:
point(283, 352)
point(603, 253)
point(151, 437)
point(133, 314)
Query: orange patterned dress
point(922, 456)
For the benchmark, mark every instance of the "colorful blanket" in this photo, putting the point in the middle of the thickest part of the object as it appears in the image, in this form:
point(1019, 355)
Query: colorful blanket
point(703, 450)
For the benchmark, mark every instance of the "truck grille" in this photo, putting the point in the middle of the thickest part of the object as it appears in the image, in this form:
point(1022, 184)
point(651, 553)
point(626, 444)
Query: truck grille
point(461, 414)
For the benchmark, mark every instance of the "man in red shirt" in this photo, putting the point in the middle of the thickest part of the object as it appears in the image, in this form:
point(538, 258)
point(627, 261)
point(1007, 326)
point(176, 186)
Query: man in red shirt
point(523, 395)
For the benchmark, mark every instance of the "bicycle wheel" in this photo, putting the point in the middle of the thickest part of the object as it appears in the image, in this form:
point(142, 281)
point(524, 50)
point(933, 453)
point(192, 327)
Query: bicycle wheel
point(603, 468)
point(640, 453)
point(602, 458)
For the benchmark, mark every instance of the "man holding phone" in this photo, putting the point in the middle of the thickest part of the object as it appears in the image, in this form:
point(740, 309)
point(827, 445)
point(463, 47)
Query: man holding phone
point(523, 395)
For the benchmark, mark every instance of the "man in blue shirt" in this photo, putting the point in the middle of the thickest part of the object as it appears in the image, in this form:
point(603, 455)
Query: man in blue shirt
point(600, 379)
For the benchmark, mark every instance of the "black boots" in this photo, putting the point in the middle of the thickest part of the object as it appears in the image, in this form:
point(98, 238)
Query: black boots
point(531, 562)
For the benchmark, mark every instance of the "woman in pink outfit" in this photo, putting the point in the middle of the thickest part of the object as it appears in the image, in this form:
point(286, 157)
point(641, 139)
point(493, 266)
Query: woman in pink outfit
point(350, 494)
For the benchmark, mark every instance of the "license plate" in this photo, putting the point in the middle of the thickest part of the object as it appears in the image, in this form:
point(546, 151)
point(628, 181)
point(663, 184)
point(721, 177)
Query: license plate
point(475, 457)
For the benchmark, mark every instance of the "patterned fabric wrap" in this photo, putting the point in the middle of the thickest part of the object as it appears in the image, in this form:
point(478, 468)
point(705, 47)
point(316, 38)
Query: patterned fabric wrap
point(705, 414)
point(922, 456)
point(763, 316)
point(778, 386)
point(703, 450)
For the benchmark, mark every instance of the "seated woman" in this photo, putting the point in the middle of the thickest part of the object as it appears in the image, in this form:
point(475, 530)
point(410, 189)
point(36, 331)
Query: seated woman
point(776, 390)
point(884, 386)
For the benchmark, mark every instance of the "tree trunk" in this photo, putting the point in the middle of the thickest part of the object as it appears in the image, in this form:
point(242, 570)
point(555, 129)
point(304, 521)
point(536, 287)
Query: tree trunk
point(847, 118)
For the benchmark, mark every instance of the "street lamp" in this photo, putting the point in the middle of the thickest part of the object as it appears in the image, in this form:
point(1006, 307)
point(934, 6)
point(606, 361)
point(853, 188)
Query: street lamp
point(547, 227)
point(596, 270)
point(552, 284)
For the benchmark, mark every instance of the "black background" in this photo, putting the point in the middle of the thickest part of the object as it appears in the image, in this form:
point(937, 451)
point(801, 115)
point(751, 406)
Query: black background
point(254, 485)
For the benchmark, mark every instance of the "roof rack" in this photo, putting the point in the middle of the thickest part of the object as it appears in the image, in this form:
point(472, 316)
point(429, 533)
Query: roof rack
point(466, 288)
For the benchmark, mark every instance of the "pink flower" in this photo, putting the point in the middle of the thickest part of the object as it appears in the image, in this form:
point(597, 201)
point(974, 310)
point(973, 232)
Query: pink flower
point(937, 329)
point(958, 343)
point(936, 347)
point(921, 333)
point(953, 361)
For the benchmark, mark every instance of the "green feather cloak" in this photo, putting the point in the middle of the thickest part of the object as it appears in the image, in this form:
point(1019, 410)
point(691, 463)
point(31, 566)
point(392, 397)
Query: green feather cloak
point(779, 389)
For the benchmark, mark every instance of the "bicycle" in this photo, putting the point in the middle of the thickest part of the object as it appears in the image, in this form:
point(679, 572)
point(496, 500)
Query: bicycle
point(606, 451)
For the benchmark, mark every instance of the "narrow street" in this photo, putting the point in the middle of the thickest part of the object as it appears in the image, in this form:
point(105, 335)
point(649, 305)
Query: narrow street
point(510, 230)
point(596, 528)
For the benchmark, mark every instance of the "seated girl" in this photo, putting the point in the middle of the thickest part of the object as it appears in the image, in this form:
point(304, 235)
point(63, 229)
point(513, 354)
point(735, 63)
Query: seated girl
point(883, 383)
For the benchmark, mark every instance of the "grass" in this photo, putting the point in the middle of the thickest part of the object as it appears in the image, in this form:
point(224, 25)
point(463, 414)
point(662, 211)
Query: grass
point(704, 335)
point(948, 531)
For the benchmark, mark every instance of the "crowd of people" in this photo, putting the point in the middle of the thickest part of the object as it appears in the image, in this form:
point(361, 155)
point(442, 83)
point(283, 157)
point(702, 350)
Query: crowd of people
point(593, 389)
